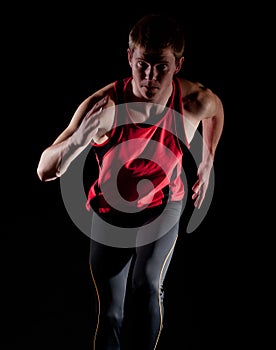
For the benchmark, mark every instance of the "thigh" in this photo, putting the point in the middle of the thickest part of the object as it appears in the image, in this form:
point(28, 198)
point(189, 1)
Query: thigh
point(109, 270)
point(152, 260)
point(166, 223)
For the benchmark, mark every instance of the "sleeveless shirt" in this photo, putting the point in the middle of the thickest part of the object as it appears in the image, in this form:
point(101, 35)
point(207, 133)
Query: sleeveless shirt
point(140, 164)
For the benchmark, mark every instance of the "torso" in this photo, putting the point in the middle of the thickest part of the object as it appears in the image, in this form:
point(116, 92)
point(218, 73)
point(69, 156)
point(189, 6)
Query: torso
point(194, 96)
point(138, 142)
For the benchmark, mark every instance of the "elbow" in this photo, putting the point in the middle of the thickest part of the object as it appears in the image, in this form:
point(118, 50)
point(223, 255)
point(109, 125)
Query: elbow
point(40, 174)
point(45, 176)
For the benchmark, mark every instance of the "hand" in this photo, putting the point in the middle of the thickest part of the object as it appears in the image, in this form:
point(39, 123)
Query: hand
point(201, 185)
point(90, 123)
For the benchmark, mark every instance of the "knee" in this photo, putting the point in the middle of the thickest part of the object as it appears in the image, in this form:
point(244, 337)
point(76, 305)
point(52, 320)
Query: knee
point(114, 317)
point(146, 287)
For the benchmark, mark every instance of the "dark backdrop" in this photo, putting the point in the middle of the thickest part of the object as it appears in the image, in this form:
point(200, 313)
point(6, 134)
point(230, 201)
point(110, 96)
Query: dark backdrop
point(55, 56)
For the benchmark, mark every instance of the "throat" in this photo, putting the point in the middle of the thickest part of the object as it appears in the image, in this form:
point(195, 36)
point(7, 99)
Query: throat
point(145, 112)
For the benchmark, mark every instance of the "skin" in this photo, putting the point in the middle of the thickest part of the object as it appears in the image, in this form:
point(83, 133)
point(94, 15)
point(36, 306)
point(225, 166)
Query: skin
point(152, 74)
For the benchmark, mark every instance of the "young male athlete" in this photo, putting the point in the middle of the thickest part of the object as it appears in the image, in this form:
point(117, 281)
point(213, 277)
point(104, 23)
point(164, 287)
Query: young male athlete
point(137, 127)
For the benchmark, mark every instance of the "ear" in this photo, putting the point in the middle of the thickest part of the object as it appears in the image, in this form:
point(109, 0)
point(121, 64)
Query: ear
point(179, 65)
point(129, 57)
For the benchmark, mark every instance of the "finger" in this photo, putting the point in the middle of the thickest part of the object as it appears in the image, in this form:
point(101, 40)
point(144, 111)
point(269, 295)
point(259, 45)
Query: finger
point(195, 187)
point(201, 197)
point(194, 195)
point(196, 191)
point(198, 201)
point(198, 196)
point(101, 102)
point(97, 108)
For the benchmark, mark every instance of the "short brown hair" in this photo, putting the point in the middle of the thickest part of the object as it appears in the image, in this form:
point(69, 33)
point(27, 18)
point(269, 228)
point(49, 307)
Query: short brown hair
point(156, 32)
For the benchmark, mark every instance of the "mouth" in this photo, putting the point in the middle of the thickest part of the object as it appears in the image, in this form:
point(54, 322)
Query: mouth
point(150, 87)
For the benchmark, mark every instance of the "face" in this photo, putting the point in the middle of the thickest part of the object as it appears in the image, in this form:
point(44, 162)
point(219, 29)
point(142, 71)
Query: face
point(153, 72)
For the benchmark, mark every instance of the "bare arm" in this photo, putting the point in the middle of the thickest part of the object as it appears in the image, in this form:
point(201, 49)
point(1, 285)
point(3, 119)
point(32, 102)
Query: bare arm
point(212, 126)
point(84, 125)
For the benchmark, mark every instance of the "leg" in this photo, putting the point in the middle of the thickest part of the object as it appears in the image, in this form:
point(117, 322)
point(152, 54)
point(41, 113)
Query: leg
point(109, 270)
point(143, 324)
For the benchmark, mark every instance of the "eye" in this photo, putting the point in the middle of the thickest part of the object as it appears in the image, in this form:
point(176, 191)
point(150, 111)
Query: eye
point(162, 67)
point(142, 65)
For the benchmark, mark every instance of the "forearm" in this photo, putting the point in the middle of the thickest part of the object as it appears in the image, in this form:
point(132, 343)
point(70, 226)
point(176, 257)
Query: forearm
point(55, 160)
point(211, 133)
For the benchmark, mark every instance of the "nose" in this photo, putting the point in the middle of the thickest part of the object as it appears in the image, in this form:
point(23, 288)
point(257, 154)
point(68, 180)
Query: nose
point(151, 73)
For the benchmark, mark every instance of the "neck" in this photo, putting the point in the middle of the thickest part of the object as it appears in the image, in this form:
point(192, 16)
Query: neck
point(147, 107)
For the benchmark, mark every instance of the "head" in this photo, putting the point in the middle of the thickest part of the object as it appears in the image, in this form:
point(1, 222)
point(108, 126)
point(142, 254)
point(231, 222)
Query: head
point(155, 54)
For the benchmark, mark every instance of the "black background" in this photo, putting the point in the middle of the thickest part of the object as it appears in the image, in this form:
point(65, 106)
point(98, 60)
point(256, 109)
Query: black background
point(53, 57)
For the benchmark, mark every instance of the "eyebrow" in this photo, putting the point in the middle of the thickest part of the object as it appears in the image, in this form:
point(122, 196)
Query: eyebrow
point(157, 59)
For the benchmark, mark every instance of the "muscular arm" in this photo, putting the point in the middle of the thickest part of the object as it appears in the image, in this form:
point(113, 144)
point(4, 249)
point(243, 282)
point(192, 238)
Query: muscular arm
point(201, 105)
point(211, 131)
point(88, 119)
point(212, 126)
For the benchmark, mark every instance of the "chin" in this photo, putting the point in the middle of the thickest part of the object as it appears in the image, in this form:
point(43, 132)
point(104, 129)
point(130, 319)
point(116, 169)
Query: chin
point(149, 93)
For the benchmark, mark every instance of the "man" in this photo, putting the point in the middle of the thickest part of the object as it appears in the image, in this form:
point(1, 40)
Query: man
point(138, 127)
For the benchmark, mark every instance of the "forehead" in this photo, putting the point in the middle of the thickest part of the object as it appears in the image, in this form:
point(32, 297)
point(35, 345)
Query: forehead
point(161, 55)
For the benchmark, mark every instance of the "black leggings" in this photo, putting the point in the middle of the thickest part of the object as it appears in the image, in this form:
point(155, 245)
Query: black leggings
point(129, 288)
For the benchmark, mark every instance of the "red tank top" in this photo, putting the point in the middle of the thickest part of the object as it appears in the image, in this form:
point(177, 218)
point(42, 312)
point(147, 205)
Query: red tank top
point(140, 164)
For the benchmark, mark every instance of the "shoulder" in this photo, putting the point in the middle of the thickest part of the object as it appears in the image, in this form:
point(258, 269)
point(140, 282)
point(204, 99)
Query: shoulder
point(111, 91)
point(198, 101)
point(89, 102)
point(107, 91)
